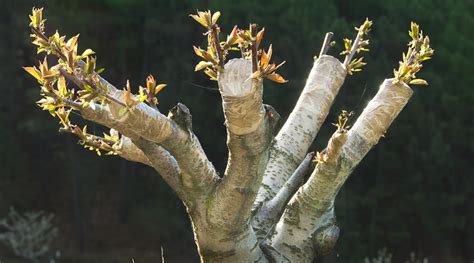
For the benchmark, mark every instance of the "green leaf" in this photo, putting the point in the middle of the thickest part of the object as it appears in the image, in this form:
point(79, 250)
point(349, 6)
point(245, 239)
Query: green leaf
point(202, 65)
point(215, 17)
point(418, 82)
point(87, 53)
point(33, 72)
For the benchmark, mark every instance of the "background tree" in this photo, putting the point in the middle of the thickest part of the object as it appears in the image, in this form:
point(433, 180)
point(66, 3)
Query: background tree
point(433, 185)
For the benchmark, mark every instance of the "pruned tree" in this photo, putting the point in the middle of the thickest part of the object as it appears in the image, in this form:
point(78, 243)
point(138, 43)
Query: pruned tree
point(275, 201)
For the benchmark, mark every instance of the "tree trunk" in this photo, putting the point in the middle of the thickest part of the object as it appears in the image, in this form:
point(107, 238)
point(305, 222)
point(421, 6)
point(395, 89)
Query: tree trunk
point(275, 201)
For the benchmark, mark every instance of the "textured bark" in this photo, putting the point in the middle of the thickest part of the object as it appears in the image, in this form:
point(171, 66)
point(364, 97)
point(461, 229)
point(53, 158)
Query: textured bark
point(270, 212)
point(307, 227)
point(175, 136)
point(261, 210)
point(292, 142)
point(249, 126)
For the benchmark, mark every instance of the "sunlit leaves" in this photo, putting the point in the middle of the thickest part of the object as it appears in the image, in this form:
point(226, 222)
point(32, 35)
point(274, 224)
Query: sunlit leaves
point(418, 82)
point(60, 100)
point(365, 27)
point(343, 121)
point(145, 94)
point(215, 54)
point(152, 89)
point(206, 19)
point(358, 45)
point(33, 71)
point(267, 70)
point(320, 157)
point(63, 116)
point(86, 53)
point(347, 46)
point(36, 19)
point(247, 41)
point(128, 98)
point(110, 143)
point(89, 67)
point(211, 73)
point(356, 65)
point(232, 40)
point(419, 50)
point(202, 65)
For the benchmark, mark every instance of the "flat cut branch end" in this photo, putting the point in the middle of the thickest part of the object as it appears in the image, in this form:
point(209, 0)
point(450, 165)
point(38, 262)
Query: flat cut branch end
point(235, 81)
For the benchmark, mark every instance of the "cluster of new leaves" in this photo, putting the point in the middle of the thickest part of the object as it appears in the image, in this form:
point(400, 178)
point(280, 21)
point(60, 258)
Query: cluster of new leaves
point(247, 41)
point(57, 97)
point(70, 64)
point(343, 121)
point(342, 127)
point(109, 143)
point(267, 70)
point(358, 45)
point(419, 50)
point(145, 94)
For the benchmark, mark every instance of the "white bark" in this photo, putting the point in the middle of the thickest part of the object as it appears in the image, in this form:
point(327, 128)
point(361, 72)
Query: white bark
point(268, 215)
point(295, 137)
point(307, 227)
point(228, 235)
point(175, 136)
point(292, 220)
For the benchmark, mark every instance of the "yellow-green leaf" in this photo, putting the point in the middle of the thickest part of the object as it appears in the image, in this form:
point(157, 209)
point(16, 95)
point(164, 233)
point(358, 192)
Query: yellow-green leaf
point(418, 82)
point(215, 17)
point(33, 72)
point(87, 53)
point(159, 87)
point(200, 20)
point(202, 65)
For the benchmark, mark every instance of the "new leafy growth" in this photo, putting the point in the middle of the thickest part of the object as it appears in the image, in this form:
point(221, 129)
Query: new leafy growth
point(419, 50)
point(247, 41)
point(60, 100)
point(358, 45)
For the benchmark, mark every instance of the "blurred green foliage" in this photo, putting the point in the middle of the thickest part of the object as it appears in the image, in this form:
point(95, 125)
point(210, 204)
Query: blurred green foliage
point(413, 192)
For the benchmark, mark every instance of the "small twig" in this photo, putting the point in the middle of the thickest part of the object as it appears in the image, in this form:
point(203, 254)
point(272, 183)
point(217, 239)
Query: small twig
point(93, 137)
point(326, 43)
point(72, 104)
point(217, 45)
point(79, 83)
point(45, 38)
point(354, 47)
point(150, 98)
point(253, 30)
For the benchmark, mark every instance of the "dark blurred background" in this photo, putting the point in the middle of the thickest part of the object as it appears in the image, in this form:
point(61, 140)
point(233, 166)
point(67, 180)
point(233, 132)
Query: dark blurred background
point(413, 192)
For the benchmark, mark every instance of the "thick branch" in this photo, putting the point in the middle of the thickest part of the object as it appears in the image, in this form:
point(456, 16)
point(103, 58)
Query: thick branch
point(307, 227)
point(292, 142)
point(249, 131)
point(268, 215)
point(198, 172)
point(222, 224)
point(166, 166)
